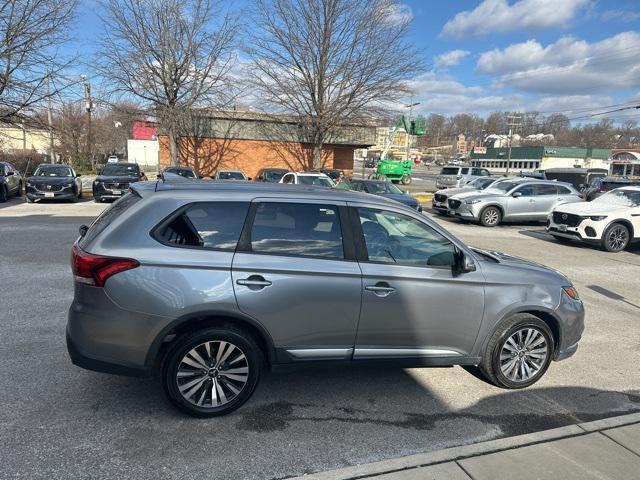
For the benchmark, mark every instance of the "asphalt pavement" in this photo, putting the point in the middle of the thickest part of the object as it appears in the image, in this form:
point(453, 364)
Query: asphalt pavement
point(59, 421)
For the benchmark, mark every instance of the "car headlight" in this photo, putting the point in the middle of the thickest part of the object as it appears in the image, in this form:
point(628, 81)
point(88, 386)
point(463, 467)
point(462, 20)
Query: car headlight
point(471, 202)
point(597, 218)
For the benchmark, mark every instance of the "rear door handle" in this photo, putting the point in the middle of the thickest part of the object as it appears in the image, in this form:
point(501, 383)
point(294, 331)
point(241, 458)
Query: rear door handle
point(381, 289)
point(254, 282)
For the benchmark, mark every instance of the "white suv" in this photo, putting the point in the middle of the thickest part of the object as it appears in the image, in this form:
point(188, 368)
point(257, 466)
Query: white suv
point(611, 221)
point(307, 178)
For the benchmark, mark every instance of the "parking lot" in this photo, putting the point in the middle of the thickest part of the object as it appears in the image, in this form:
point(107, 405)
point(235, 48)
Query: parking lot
point(59, 421)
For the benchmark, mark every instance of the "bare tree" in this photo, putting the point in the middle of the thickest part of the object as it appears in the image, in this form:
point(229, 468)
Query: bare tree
point(328, 61)
point(172, 55)
point(30, 33)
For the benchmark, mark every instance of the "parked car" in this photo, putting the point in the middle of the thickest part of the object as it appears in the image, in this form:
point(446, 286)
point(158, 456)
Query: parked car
point(333, 173)
point(209, 282)
point(370, 163)
point(10, 182)
point(513, 200)
point(270, 175)
point(186, 172)
point(580, 178)
point(602, 185)
point(455, 177)
point(307, 178)
point(114, 180)
point(385, 189)
point(440, 198)
point(230, 175)
point(54, 181)
point(611, 221)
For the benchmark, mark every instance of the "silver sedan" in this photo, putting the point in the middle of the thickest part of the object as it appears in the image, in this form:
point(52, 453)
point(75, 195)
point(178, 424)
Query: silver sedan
point(512, 200)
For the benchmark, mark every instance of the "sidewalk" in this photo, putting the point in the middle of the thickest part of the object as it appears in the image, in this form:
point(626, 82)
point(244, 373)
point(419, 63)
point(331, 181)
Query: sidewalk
point(605, 449)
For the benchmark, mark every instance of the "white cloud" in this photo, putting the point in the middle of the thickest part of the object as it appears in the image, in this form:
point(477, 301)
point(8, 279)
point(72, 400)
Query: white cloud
point(568, 66)
point(450, 59)
point(398, 14)
point(499, 16)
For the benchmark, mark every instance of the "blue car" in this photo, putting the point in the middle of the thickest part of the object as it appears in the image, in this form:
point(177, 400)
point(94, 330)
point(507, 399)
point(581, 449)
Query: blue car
point(386, 189)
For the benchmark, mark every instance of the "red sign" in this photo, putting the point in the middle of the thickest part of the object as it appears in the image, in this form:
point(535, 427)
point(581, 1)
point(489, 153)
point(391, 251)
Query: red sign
point(480, 150)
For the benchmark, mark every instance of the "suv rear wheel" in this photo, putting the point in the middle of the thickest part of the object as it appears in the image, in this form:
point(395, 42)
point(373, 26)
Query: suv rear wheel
point(518, 353)
point(212, 372)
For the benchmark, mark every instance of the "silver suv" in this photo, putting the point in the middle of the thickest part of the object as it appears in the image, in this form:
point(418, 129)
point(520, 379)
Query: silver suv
point(209, 282)
point(455, 177)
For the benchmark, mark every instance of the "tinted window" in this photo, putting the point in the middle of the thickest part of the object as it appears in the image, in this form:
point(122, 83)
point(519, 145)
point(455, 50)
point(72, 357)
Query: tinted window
point(464, 171)
point(526, 190)
point(449, 171)
point(231, 176)
point(207, 225)
point(306, 230)
point(120, 169)
point(312, 180)
point(399, 239)
point(563, 190)
point(273, 175)
point(546, 190)
point(108, 216)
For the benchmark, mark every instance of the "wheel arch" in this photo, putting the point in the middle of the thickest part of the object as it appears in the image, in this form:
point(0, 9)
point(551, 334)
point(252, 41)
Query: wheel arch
point(624, 222)
point(200, 320)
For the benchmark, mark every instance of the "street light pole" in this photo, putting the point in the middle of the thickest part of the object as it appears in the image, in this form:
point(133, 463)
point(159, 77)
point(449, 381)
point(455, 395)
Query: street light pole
point(410, 106)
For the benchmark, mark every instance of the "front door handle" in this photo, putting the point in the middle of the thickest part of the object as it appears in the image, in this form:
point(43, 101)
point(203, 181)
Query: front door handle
point(254, 282)
point(381, 289)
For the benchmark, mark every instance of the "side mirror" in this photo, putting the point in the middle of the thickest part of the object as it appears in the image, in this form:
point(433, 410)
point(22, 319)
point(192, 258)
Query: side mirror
point(8, 174)
point(83, 230)
point(249, 179)
point(462, 263)
point(516, 194)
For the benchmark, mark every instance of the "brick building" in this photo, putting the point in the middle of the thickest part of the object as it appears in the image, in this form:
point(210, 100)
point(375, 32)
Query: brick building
point(250, 141)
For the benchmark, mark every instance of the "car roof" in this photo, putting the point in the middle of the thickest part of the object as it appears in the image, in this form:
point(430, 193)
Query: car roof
point(279, 169)
point(616, 179)
point(634, 188)
point(54, 165)
point(311, 174)
point(257, 189)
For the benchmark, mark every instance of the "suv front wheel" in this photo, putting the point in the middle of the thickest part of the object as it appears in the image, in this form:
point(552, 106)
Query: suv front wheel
point(518, 353)
point(212, 372)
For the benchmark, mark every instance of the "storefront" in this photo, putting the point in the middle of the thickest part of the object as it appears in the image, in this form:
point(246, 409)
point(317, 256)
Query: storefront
point(625, 163)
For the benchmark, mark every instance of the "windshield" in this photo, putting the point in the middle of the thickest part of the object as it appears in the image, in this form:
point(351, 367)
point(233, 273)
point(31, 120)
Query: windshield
point(230, 176)
point(481, 183)
point(312, 180)
point(450, 171)
point(274, 175)
point(119, 169)
point(382, 187)
point(183, 172)
point(502, 187)
point(622, 198)
point(53, 171)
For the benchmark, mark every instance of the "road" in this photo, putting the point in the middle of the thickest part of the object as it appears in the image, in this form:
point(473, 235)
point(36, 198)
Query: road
point(59, 421)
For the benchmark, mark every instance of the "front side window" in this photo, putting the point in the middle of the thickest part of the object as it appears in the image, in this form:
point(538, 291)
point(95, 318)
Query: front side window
point(300, 229)
point(399, 239)
point(214, 225)
point(526, 191)
point(288, 178)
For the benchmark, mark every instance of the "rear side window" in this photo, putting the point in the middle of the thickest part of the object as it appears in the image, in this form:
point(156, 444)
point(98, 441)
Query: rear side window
point(563, 190)
point(215, 225)
point(109, 215)
point(450, 171)
point(546, 190)
point(464, 171)
point(300, 229)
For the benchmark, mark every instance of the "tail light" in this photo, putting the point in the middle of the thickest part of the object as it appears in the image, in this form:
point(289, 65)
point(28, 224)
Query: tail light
point(94, 270)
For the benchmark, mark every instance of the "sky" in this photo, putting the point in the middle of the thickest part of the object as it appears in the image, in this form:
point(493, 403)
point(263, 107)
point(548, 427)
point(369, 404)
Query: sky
point(569, 56)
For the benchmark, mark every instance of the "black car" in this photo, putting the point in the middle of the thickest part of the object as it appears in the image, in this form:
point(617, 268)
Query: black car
point(186, 172)
point(385, 188)
point(602, 185)
point(10, 182)
point(54, 181)
point(270, 175)
point(333, 173)
point(114, 180)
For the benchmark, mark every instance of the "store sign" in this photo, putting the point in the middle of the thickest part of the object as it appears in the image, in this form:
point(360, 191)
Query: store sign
point(550, 152)
point(480, 150)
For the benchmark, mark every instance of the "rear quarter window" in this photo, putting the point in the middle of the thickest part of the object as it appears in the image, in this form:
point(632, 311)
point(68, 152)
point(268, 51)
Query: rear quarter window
point(116, 209)
point(211, 225)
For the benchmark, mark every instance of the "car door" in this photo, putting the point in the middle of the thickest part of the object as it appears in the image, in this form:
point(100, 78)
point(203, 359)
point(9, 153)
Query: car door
point(13, 179)
point(521, 203)
point(546, 198)
point(414, 305)
point(295, 273)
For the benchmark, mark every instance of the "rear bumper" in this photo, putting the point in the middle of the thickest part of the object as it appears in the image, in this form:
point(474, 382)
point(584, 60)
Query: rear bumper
point(571, 321)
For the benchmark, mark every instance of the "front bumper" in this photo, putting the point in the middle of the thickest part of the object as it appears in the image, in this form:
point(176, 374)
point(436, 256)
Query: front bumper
point(467, 211)
point(101, 191)
point(441, 207)
point(65, 193)
point(587, 231)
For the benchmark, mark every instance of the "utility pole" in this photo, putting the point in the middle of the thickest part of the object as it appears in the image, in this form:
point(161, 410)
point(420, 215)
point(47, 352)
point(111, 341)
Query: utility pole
point(49, 118)
point(410, 106)
point(513, 121)
point(88, 105)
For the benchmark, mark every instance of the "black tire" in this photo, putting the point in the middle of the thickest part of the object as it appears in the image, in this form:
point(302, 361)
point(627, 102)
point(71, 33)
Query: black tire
point(4, 194)
point(615, 238)
point(490, 366)
point(490, 216)
point(97, 199)
point(241, 340)
point(30, 200)
point(19, 192)
point(406, 179)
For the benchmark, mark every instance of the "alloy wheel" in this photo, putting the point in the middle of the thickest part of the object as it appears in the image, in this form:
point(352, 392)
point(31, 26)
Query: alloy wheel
point(617, 238)
point(523, 354)
point(491, 216)
point(212, 374)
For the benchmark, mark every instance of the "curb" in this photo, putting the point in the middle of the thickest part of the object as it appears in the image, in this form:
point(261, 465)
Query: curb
point(473, 450)
point(424, 197)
